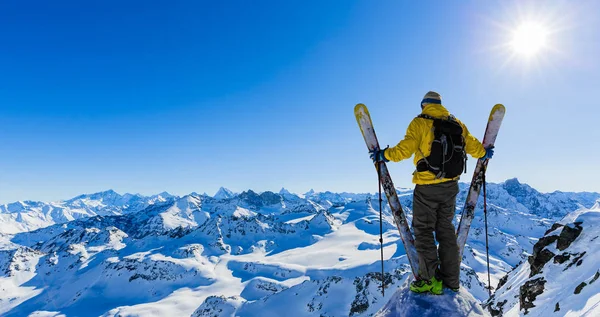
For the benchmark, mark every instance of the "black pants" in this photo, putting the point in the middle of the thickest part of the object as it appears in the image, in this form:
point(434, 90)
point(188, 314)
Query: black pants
point(433, 211)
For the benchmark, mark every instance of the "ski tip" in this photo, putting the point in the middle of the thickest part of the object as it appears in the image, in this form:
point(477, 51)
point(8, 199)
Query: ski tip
point(498, 106)
point(498, 110)
point(360, 109)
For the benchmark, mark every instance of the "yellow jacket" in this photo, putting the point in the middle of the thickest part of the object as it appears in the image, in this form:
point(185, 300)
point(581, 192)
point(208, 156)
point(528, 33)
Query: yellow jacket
point(418, 139)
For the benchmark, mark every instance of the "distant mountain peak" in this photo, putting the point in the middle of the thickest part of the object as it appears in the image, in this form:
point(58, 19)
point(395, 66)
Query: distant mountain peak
point(96, 196)
point(223, 193)
point(106, 193)
point(512, 181)
point(284, 191)
point(515, 187)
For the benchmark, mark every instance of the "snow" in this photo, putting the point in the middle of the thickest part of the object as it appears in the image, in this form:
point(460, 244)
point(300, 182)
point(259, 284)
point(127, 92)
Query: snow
point(47, 314)
point(297, 220)
point(253, 254)
point(561, 279)
point(405, 303)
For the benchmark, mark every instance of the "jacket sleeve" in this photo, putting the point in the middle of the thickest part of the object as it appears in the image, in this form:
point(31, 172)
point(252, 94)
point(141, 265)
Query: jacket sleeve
point(472, 145)
point(407, 147)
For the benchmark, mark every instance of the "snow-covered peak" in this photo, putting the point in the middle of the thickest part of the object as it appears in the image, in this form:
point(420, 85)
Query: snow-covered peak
point(284, 191)
point(224, 193)
point(161, 218)
point(107, 195)
point(517, 189)
point(17, 206)
point(163, 196)
point(405, 303)
point(322, 222)
point(20, 206)
point(291, 197)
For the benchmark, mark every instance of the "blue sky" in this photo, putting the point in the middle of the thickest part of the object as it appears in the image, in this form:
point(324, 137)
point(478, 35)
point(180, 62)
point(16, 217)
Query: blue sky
point(182, 96)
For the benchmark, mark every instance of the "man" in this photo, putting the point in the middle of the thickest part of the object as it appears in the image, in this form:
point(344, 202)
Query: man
point(439, 142)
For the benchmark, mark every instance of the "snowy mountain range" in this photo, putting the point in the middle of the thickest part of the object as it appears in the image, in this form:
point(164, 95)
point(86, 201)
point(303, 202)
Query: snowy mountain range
point(30, 215)
point(268, 254)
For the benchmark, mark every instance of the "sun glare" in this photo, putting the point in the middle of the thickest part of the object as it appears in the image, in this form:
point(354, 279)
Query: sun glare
point(528, 36)
point(529, 39)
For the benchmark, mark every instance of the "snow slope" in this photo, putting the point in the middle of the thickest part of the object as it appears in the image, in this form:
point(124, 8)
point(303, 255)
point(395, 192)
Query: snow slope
point(561, 275)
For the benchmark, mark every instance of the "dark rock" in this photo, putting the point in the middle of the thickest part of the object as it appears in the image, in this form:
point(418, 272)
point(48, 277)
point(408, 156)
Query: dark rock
point(538, 260)
point(568, 235)
point(528, 293)
point(179, 232)
point(361, 301)
point(544, 242)
point(596, 276)
point(502, 281)
point(554, 227)
point(580, 287)
point(562, 258)
point(577, 260)
point(498, 311)
point(252, 199)
point(270, 198)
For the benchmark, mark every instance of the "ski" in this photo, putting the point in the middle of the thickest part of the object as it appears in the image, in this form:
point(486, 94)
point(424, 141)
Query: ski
point(366, 127)
point(468, 212)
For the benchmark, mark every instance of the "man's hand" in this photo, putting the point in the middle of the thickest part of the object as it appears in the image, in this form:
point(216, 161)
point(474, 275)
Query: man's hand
point(489, 152)
point(378, 155)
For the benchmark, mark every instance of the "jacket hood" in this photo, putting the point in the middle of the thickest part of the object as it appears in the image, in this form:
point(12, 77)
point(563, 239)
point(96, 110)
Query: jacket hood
point(435, 110)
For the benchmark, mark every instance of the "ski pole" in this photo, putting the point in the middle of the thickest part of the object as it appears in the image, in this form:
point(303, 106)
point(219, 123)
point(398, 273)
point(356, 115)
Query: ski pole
point(378, 165)
point(487, 248)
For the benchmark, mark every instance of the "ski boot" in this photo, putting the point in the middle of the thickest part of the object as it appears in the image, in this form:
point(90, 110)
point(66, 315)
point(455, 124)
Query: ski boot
point(437, 285)
point(433, 286)
point(455, 290)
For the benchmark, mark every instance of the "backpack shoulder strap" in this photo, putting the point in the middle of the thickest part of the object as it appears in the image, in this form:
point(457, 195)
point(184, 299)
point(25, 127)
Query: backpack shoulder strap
point(426, 116)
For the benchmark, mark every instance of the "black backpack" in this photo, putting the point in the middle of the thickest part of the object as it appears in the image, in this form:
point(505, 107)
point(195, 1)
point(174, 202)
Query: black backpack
point(448, 158)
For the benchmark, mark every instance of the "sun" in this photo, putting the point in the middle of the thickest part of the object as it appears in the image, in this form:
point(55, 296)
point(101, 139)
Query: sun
point(529, 39)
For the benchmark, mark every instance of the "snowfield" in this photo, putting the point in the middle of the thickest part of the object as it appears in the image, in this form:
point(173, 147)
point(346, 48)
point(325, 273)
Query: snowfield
point(282, 254)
